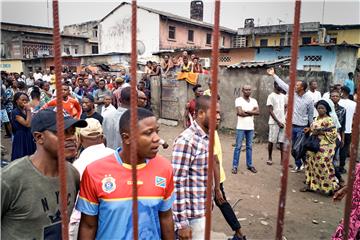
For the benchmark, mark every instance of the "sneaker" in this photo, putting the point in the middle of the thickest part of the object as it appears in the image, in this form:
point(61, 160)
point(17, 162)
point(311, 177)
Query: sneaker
point(252, 169)
point(234, 170)
point(295, 170)
point(342, 170)
point(302, 167)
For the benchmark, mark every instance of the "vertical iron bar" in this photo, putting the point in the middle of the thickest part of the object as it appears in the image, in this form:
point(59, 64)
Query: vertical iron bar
point(133, 119)
point(352, 164)
point(214, 94)
point(289, 117)
point(60, 121)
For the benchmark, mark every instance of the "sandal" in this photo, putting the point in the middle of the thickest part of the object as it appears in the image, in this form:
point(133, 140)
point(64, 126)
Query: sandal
point(234, 171)
point(269, 162)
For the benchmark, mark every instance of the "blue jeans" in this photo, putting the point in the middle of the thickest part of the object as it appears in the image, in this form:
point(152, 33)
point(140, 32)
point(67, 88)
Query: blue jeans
point(240, 134)
point(296, 130)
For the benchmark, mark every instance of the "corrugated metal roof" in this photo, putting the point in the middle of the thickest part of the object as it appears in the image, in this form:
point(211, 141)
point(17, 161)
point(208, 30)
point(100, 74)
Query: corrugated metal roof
point(256, 64)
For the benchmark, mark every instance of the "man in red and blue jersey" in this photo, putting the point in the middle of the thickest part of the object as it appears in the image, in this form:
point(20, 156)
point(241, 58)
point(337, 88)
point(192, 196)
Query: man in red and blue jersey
point(105, 199)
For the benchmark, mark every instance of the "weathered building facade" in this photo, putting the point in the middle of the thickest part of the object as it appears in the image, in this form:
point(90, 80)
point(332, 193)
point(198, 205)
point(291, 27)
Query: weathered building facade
point(20, 41)
point(156, 31)
point(86, 29)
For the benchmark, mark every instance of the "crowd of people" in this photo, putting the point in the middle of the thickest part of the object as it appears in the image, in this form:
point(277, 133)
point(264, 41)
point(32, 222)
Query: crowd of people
point(171, 194)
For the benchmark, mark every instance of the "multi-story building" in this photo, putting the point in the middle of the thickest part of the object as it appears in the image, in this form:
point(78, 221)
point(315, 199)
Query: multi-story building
point(19, 41)
point(157, 30)
point(311, 33)
point(85, 29)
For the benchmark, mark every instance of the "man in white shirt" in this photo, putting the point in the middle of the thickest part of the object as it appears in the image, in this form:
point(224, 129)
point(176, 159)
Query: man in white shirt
point(92, 140)
point(37, 74)
point(350, 107)
point(276, 102)
point(314, 94)
point(46, 77)
point(246, 109)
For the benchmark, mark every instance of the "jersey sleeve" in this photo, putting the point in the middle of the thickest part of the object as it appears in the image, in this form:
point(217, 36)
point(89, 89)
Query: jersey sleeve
point(238, 102)
point(169, 195)
point(88, 202)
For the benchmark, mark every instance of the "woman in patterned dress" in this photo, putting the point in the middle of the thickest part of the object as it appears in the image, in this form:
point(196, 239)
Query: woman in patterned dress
point(354, 225)
point(320, 172)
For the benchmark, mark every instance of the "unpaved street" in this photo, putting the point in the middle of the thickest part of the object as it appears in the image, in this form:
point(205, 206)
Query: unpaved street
point(258, 194)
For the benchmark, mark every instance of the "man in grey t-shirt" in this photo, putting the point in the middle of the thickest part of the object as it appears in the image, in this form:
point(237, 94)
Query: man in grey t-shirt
point(100, 95)
point(30, 186)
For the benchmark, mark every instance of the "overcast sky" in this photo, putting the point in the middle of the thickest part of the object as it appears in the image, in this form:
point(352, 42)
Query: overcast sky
point(233, 13)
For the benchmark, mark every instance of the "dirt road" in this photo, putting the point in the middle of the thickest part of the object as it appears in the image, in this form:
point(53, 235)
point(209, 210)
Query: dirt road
point(259, 193)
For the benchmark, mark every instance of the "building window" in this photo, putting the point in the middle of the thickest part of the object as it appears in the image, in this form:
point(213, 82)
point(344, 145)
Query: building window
point(333, 40)
point(67, 50)
point(94, 49)
point(282, 57)
point(312, 68)
point(223, 41)
point(172, 30)
point(95, 33)
point(208, 38)
point(263, 42)
point(306, 40)
point(76, 51)
point(190, 35)
point(224, 59)
point(282, 41)
point(2, 51)
point(312, 58)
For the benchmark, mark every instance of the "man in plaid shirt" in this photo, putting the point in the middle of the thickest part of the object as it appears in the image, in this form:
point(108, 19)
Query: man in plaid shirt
point(190, 164)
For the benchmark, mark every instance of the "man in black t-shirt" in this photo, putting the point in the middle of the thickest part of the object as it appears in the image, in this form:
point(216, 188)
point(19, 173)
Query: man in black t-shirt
point(88, 109)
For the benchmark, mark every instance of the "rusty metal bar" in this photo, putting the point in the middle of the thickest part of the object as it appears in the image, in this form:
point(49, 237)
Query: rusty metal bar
point(133, 119)
point(60, 122)
point(214, 94)
point(289, 117)
point(352, 163)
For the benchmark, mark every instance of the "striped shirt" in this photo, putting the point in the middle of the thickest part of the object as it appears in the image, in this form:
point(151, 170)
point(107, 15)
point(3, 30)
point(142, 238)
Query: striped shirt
point(303, 106)
point(190, 164)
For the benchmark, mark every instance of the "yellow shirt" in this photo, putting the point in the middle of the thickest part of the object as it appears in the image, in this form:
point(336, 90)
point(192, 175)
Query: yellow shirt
point(218, 153)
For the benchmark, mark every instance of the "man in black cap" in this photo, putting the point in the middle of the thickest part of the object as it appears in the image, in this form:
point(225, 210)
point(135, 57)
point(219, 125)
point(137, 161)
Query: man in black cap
point(30, 186)
point(88, 109)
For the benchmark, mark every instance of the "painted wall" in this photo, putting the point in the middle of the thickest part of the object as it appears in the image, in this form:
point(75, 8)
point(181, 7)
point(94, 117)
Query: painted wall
point(345, 63)
point(115, 31)
point(274, 39)
point(351, 36)
point(327, 63)
point(181, 36)
point(11, 66)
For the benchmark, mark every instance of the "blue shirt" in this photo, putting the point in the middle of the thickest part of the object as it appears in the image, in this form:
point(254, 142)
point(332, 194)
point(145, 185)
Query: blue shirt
point(350, 84)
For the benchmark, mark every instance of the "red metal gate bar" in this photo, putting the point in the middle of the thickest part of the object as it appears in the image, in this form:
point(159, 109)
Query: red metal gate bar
point(133, 118)
point(60, 121)
point(353, 155)
point(214, 94)
point(285, 165)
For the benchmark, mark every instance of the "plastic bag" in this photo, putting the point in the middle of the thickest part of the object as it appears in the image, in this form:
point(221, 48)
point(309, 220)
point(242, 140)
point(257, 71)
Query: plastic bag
point(298, 151)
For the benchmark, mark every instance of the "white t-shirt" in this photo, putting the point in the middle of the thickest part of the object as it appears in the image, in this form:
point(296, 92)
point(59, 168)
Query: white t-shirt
point(37, 76)
point(278, 102)
point(350, 107)
point(245, 123)
point(46, 78)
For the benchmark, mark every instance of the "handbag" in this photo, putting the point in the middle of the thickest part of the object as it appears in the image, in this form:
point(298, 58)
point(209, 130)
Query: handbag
point(298, 150)
point(312, 144)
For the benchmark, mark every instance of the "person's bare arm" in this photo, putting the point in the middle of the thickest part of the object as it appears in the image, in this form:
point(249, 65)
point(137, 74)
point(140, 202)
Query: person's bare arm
point(25, 122)
point(253, 112)
point(218, 194)
point(88, 227)
point(186, 114)
point(241, 113)
point(167, 225)
point(272, 114)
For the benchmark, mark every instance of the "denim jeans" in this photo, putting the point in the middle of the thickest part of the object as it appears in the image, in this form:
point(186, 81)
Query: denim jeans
point(240, 134)
point(296, 130)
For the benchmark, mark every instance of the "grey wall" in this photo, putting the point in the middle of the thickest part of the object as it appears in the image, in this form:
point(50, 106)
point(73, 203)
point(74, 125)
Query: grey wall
point(230, 83)
point(346, 59)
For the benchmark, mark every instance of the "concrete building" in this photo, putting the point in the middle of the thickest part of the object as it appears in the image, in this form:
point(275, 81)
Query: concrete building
point(86, 29)
point(310, 33)
point(156, 31)
point(19, 41)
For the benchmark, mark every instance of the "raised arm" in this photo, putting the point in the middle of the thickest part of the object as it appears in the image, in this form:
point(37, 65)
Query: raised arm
point(283, 85)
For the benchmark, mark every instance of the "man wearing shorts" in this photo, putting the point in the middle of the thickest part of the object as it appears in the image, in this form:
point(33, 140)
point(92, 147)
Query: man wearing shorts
point(276, 103)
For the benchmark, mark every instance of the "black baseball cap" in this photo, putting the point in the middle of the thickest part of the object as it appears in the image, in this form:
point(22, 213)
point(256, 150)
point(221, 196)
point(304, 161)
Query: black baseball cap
point(46, 120)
